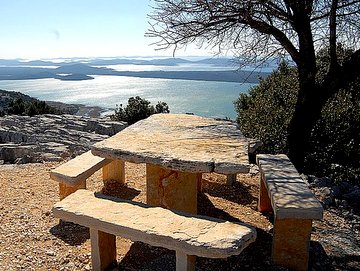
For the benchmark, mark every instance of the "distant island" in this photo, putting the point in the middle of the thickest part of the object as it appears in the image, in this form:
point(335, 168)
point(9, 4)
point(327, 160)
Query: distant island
point(73, 77)
point(77, 70)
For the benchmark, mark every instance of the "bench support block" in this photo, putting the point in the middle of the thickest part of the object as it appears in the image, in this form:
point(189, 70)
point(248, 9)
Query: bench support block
point(103, 249)
point(65, 189)
point(185, 262)
point(230, 179)
point(264, 204)
point(174, 190)
point(115, 170)
point(291, 243)
point(199, 185)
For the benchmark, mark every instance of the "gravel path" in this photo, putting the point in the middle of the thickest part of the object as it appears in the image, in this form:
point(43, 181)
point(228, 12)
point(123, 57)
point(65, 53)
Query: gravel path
point(32, 239)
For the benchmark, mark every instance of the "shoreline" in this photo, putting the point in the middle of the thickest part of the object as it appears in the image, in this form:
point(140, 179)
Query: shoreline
point(90, 111)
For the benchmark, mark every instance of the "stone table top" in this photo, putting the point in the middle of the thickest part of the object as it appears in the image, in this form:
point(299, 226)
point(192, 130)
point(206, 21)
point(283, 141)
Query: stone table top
point(180, 142)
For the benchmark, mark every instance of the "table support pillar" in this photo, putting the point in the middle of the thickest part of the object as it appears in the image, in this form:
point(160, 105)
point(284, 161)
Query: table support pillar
point(174, 190)
point(185, 262)
point(114, 171)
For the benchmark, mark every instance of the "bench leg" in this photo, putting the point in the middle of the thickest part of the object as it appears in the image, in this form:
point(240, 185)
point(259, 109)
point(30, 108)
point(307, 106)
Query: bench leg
point(185, 262)
point(199, 185)
point(65, 190)
point(291, 241)
point(103, 249)
point(172, 189)
point(264, 204)
point(114, 171)
point(230, 179)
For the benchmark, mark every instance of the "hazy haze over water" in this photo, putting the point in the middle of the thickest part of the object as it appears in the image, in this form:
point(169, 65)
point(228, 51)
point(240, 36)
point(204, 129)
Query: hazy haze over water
point(213, 99)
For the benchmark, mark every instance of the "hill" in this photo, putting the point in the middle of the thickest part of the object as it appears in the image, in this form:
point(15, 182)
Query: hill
point(7, 97)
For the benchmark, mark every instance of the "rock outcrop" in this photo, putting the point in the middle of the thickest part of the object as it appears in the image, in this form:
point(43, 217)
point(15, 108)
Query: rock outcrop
point(51, 137)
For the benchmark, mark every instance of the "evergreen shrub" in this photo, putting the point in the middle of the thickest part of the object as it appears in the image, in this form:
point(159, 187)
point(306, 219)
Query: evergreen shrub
point(138, 109)
point(334, 147)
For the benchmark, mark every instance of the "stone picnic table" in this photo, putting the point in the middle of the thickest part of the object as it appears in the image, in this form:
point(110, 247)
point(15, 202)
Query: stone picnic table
point(177, 149)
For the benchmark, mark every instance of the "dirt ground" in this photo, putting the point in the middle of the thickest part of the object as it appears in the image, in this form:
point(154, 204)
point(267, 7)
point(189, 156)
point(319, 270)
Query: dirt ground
point(32, 239)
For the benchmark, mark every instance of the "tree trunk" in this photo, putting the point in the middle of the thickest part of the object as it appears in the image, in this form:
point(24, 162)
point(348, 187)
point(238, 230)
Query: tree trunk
point(307, 111)
point(308, 108)
point(299, 134)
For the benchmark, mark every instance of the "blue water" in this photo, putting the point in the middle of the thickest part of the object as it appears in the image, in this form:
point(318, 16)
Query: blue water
point(211, 99)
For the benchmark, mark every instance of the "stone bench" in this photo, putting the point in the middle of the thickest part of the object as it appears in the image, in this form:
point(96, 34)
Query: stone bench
point(72, 175)
point(189, 235)
point(284, 192)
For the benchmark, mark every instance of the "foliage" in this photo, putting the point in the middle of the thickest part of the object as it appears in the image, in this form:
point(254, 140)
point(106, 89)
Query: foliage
point(334, 147)
point(265, 112)
point(36, 107)
point(259, 30)
point(138, 109)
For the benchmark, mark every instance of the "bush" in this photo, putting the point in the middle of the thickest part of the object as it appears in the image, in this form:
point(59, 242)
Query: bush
point(266, 111)
point(334, 147)
point(138, 109)
point(36, 107)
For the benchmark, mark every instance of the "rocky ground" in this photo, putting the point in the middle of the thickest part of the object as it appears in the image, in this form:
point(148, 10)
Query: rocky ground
point(32, 239)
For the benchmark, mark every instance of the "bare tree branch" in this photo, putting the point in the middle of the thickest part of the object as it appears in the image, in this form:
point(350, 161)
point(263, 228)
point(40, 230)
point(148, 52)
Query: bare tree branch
point(260, 29)
point(332, 38)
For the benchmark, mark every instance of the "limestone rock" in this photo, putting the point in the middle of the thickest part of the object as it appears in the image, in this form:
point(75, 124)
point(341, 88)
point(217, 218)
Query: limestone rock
point(51, 137)
point(18, 154)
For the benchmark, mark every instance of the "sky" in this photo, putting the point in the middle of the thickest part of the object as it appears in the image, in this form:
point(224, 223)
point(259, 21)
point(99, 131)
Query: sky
point(47, 29)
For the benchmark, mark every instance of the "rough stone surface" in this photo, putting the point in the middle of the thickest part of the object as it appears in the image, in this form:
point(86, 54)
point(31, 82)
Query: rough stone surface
point(290, 196)
point(180, 142)
point(193, 235)
point(51, 137)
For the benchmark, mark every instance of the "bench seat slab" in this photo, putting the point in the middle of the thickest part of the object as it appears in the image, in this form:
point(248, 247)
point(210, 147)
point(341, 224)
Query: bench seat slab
point(290, 196)
point(78, 169)
point(192, 235)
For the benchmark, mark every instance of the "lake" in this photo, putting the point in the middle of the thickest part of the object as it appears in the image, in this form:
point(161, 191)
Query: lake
point(204, 98)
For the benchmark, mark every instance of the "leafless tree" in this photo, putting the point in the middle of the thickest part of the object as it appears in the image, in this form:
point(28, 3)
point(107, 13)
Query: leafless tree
point(260, 29)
